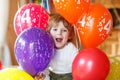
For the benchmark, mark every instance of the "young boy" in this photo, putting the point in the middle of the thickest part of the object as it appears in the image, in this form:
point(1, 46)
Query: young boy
point(65, 50)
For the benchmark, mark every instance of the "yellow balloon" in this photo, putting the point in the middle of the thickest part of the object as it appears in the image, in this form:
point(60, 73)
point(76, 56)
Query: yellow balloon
point(14, 74)
point(114, 69)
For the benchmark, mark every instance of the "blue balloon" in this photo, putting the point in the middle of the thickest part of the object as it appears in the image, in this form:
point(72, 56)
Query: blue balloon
point(34, 49)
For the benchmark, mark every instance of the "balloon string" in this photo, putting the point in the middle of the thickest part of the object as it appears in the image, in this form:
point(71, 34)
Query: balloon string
point(78, 40)
point(42, 2)
point(18, 4)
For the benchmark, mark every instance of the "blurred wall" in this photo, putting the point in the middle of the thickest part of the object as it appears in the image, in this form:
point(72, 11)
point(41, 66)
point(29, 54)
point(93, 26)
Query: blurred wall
point(11, 36)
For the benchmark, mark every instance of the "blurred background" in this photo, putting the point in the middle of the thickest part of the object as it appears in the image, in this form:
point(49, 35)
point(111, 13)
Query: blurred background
point(7, 34)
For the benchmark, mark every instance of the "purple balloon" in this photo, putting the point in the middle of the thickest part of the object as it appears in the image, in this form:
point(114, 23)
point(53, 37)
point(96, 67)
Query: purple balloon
point(34, 49)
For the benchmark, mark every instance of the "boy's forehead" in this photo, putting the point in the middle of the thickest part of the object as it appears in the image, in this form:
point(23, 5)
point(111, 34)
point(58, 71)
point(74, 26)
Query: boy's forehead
point(57, 24)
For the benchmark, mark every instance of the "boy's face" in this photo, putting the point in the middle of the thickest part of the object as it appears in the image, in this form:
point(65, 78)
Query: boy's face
point(60, 35)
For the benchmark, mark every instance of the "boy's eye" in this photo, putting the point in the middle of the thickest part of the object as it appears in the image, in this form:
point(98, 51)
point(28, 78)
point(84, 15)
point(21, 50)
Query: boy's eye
point(64, 30)
point(54, 29)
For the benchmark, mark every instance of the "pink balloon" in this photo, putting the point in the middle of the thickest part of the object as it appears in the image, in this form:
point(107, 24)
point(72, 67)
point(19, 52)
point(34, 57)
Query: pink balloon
point(30, 15)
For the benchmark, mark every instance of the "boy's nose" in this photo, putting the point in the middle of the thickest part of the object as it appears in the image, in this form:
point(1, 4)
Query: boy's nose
point(59, 31)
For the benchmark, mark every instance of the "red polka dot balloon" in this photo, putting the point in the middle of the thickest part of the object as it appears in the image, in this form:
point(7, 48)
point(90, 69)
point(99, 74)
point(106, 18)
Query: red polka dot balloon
point(30, 15)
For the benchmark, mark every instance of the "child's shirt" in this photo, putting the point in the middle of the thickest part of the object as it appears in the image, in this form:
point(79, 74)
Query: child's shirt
point(61, 63)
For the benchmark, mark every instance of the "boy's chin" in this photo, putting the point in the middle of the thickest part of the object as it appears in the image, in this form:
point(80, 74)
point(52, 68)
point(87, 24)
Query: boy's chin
point(59, 46)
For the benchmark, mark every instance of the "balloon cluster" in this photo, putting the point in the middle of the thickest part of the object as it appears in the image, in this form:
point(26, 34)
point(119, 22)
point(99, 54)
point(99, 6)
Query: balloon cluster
point(34, 47)
point(93, 24)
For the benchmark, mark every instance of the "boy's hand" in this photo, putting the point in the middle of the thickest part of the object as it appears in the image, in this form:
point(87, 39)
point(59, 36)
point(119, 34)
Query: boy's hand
point(41, 76)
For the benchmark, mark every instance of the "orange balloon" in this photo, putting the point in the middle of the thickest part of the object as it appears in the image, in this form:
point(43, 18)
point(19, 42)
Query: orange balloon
point(95, 26)
point(71, 9)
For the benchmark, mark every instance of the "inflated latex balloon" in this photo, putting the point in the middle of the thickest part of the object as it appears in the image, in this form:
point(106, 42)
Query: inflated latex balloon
point(95, 26)
point(14, 74)
point(30, 15)
point(71, 10)
point(0, 65)
point(90, 64)
point(34, 49)
point(114, 69)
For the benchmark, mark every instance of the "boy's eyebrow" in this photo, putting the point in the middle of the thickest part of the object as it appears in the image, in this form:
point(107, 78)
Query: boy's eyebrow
point(53, 27)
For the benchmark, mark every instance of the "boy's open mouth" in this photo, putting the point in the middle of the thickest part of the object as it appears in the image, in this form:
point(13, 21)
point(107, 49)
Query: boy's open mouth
point(59, 39)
